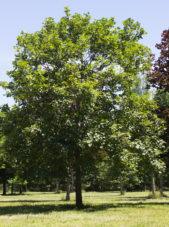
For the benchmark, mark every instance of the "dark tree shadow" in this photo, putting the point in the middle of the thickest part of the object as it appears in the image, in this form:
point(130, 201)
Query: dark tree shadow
point(28, 201)
point(34, 209)
point(100, 195)
point(130, 198)
point(44, 208)
point(105, 206)
point(28, 194)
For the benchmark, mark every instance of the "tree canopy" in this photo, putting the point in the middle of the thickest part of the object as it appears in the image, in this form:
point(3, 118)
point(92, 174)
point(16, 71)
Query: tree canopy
point(72, 82)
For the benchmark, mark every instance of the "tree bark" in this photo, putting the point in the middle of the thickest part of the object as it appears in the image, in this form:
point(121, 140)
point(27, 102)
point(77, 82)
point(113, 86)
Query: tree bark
point(78, 183)
point(161, 185)
point(153, 184)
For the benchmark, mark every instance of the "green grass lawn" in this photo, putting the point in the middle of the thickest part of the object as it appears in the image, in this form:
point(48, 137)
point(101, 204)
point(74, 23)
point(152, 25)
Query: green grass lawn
point(134, 209)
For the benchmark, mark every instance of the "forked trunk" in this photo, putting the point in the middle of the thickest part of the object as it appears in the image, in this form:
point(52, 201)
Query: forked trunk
point(78, 183)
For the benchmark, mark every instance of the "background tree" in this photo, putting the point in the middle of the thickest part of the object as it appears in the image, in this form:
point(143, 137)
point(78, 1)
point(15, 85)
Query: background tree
point(6, 168)
point(159, 79)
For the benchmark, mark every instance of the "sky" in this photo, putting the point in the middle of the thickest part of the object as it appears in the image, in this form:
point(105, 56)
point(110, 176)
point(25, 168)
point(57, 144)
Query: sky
point(28, 15)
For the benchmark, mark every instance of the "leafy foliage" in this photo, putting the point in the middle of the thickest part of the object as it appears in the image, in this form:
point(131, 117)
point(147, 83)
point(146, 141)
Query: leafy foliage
point(72, 82)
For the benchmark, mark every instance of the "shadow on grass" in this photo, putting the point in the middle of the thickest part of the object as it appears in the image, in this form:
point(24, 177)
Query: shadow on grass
point(100, 195)
point(12, 195)
point(129, 198)
point(101, 207)
point(125, 198)
point(28, 194)
point(28, 201)
point(36, 209)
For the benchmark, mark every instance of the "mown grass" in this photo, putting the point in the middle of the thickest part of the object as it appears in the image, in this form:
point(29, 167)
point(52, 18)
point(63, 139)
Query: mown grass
point(134, 209)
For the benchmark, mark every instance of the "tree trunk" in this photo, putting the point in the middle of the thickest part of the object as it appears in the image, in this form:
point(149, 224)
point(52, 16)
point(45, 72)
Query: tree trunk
point(79, 203)
point(4, 187)
point(145, 187)
point(51, 188)
point(153, 184)
point(4, 182)
point(12, 189)
point(72, 185)
point(121, 186)
point(161, 185)
point(68, 190)
point(26, 187)
point(57, 186)
point(20, 189)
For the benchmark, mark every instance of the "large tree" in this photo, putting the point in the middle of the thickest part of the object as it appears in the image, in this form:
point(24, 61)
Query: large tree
point(67, 79)
point(159, 78)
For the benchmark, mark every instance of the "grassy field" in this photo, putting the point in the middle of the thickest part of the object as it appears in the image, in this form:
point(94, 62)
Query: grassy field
point(101, 209)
